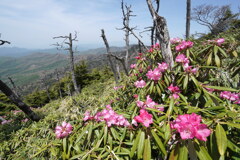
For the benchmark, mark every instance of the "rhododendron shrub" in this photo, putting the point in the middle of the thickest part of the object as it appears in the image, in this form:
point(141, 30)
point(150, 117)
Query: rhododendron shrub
point(162, 113)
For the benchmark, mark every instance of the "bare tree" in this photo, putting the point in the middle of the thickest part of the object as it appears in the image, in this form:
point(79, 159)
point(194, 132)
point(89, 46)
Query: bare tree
point(217, 19)
point(109, 55)
point(188, 18)
point(15, 99)
point(68, 40)
point(162, 34)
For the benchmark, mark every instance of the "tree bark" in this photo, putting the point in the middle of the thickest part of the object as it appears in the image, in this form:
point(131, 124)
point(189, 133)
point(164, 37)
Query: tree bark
point(162, 35)
point(15, 99)
point(109, 56)
point(76, 88)
point(188, 18)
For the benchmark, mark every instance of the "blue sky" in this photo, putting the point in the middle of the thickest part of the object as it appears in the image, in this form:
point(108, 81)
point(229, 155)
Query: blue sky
point(33, 23)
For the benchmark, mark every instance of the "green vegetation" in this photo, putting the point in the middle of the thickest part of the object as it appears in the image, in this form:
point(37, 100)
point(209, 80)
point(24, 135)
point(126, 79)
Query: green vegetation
point(216, 65)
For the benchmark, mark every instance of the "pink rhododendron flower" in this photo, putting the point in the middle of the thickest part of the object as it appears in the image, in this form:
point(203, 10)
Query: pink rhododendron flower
point(140, 84)
point(220, 41)
point(25, 120)
point(181, 58)
point(175, 40)
point(64, 130)
point(133, 66)
point(135, 96)
point(225, 94)
point(189, 126)
point(149, 103)
point(162, 66)
point(145, 118)
point(174, 89)
point(175, 96)
point(184, 45)
point(150, 50)
point(154, 74)
point(87, 116)
point(110, 117)
point(234, 97)
point(189, 69)
point(6, 121)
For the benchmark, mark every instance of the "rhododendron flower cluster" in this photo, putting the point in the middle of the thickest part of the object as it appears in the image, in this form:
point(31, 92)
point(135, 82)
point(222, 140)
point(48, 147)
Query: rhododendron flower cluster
point(140, 57)
point(174, 90)
point(155, 46)
point(189, 69)
point(64, 130)
point(140, 84)
point(156, 74)
point(149, 103)
point(184, 45)
point(132, 66)
point(234, 97)
point(144, 117)
point(6, 121)
point(189, 126)
point(109, 116)
point(175, 40)
point(181, 58)
point(219, 41)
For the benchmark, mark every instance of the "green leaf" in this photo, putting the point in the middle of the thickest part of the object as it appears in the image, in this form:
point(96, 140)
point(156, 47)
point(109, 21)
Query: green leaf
point(201, 151)
point(217, 60)
point(215, 49)
point(135, 144)
point(90, 132)
point(114, 133)
point(141, 145)
point(185, 82)
point(221, 139)
point(105, 135)
point(222, 51)
point(235, 125)
point(209, 60)
point(171, 105)
point(82, 134)
point(147, 149)
point(233, 147)
point(159, 142)
point(222, 88)
point(183, 152)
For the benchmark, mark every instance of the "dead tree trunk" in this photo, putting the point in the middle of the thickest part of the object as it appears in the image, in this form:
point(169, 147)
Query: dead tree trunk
point(188, 18)
point(15, 99)
point(71, 58)
point(162, 35)
point(109, 56)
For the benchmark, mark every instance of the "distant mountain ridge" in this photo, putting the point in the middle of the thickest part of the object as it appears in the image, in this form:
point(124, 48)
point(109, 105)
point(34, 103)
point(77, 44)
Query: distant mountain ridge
point(20, 52)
